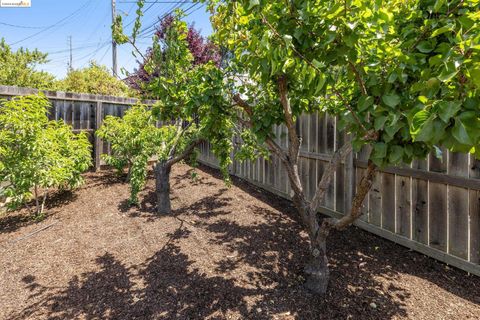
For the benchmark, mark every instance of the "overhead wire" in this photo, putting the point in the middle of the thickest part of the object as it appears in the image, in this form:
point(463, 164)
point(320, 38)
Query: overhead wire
point(91, 55)
point(22, 27)
point(150, 30)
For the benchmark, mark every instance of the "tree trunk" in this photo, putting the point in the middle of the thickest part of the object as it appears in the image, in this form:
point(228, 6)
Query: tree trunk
point(162, 187)
point(37, 202)
point(129, 173)
point(316, 271)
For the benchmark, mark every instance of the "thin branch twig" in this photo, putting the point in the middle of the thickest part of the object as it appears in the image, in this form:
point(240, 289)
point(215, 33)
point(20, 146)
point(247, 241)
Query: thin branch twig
point(35, 232)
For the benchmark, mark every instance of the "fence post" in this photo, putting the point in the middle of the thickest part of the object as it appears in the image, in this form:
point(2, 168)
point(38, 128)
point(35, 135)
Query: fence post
point(98, 141)
point(349, 178)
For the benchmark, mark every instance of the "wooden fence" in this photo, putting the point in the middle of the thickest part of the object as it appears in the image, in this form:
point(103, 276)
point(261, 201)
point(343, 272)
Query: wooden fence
point(431, 206)
point(84, 112)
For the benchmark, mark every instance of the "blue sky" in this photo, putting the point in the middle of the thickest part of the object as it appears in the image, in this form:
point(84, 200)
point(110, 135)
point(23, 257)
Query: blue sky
point(48, 24)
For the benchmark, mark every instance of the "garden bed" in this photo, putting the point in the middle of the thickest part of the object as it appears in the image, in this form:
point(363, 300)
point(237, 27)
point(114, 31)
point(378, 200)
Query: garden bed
point(226, 253)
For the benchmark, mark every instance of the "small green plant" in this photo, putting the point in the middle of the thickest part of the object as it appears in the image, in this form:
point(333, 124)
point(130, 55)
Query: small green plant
point(134, 139)
point(37, 154)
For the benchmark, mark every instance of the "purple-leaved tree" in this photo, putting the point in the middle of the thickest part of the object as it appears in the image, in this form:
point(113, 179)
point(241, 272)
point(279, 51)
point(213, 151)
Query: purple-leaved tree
point(203, 51)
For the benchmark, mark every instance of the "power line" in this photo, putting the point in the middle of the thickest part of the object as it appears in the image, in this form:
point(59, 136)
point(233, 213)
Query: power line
point(67, 50)
point(55, 24)
point(22, 27)
point(104, 55)
point(167, 13)
point(151, 33)
point(90, 55)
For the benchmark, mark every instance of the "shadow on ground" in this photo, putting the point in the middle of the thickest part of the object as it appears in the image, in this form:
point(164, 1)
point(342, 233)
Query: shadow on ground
point(12, 221)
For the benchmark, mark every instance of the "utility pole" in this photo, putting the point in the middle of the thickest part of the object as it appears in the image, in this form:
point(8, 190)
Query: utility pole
point(114, 44)
point(70, 66)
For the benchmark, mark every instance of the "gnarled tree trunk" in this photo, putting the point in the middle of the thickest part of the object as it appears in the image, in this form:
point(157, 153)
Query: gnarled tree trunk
point(162, 187)
point(162, 176)
point(316, 269)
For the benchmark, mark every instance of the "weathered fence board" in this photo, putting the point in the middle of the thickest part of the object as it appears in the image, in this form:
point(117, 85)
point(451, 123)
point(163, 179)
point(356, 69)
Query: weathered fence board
point(432, 205)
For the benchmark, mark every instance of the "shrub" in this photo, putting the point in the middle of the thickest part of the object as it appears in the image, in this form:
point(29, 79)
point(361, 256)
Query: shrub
point(95, 79)
point(134, 139)
point(37, 154)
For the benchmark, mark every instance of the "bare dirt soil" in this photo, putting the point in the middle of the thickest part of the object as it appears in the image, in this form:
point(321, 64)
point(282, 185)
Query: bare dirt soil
point(225, 253)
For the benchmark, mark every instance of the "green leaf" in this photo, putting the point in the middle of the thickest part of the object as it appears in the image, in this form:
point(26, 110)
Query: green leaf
point(396, 154)
point(447, 110)
point(364, 102)
point(321, 82)
point(391, 100)
point(288, 64)
point(422, 126)
point(288, 39)
point(379, 122)
point(448, 73)
point(460, 133)
point(317, 63)
point(438, 4)
point(475, 75)
point(425, 46)
point(379, 150)
point(423, 99)
point(442, 30)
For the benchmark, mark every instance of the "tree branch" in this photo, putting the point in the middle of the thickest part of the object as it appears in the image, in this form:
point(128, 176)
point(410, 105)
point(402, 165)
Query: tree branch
point(179, 134)
point(294, 146)
point(185, 153)
point(363, 89)
point(362, 190)
point(322, 187)
point(272, 144)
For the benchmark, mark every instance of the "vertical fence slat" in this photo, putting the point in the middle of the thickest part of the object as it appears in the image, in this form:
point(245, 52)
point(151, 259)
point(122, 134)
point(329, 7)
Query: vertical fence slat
point(98, 142)
point(458, 207)
point(420, 205)
point(349, 178)
point(375, 201)
point(403, 203)
point(388, 202)
point(437, 216)
point(458, 221)
point(475, 226)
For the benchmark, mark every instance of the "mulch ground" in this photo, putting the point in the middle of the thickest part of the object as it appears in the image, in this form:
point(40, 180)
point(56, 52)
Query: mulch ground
point(225, 253)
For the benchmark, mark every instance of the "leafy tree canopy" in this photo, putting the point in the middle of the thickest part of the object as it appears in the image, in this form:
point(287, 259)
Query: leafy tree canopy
point(94, 79)
point(18, 68)
point(401, 75)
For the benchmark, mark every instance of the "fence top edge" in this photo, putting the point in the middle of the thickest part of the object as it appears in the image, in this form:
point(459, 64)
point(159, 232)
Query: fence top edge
point(20, 91)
